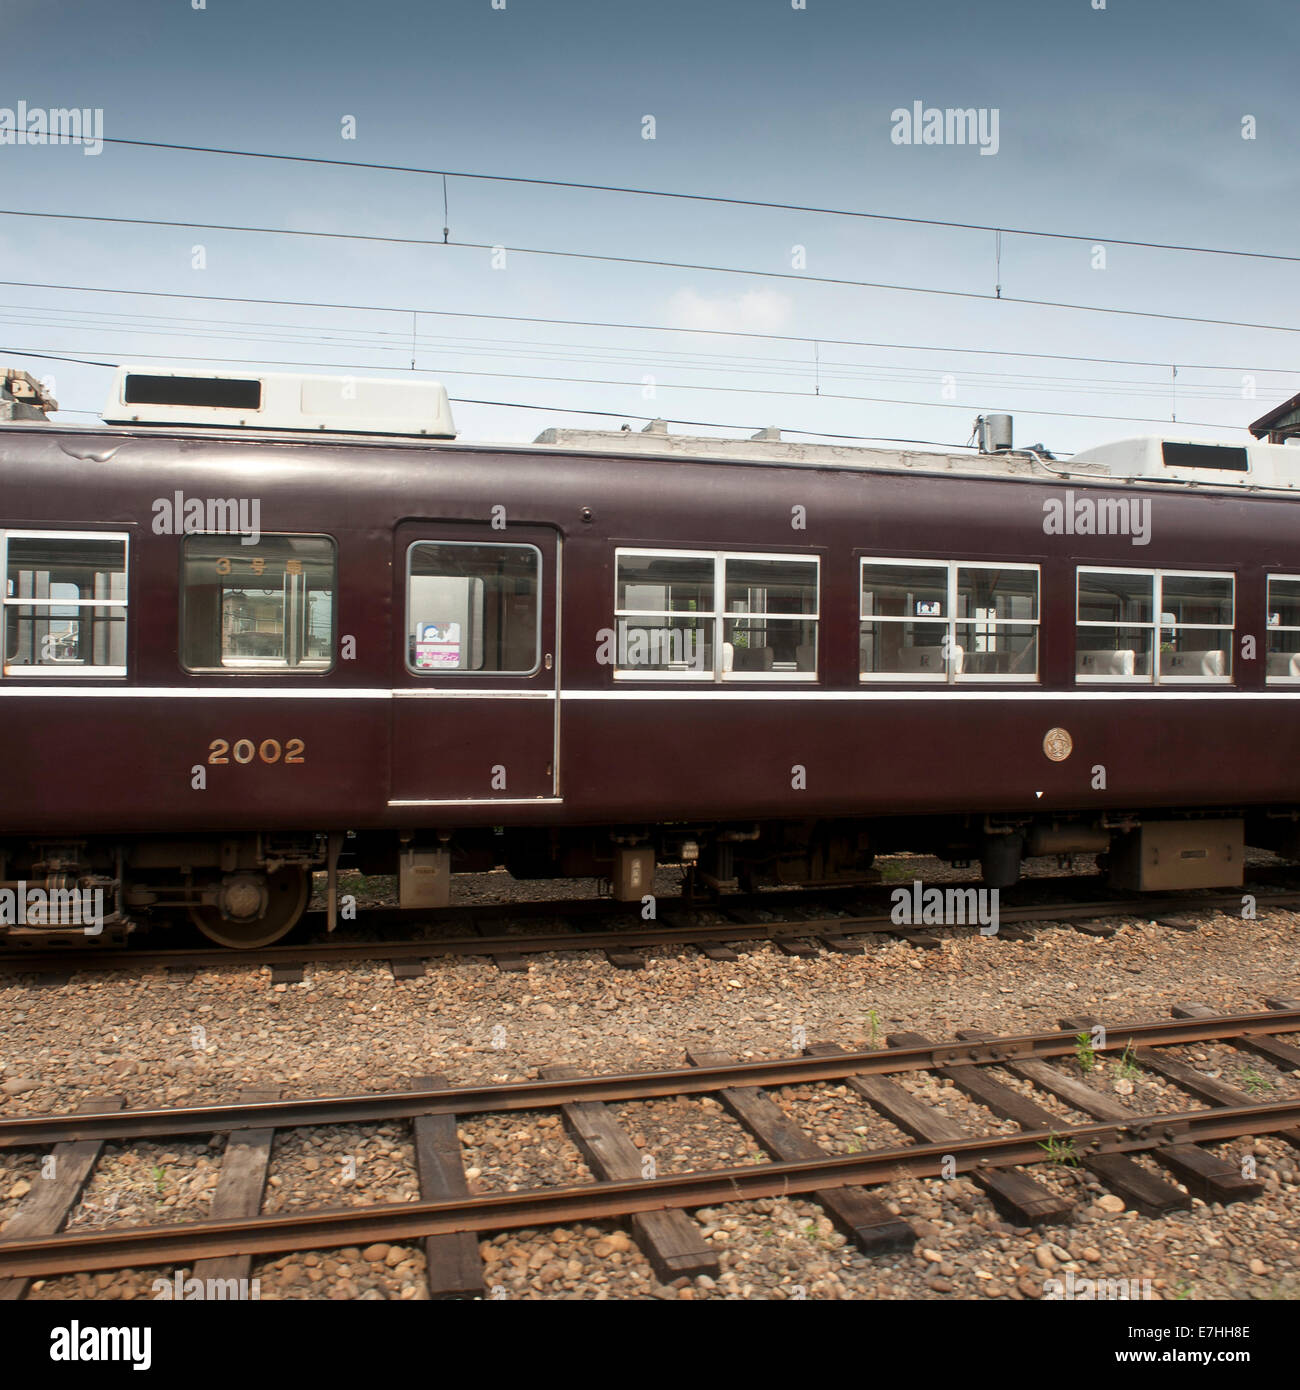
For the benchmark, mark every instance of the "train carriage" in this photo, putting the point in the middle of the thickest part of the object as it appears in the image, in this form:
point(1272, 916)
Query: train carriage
point(258, 626)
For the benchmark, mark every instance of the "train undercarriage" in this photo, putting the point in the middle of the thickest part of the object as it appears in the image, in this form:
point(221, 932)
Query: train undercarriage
point(249, 890)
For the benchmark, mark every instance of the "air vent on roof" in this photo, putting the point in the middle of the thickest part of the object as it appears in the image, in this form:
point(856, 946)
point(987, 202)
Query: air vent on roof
point(281, 401)
point(1189, 463)
point(1227, 456)
point(223, 393)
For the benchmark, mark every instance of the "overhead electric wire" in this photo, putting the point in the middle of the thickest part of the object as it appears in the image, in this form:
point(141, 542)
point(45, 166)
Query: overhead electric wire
point(710, 424)
point(806, 339)
point(769, 205)
point(180, 326)
point(665, 385)
point(448, 352)
point(570, 410)
point(608, 259)
point(56, 357)
point(268, 331)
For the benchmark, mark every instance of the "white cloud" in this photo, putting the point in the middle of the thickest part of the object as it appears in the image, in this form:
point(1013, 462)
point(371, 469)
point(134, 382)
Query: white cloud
point(755, 311)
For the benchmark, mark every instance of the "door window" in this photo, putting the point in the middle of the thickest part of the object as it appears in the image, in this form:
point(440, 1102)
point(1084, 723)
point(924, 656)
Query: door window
point(473, 609)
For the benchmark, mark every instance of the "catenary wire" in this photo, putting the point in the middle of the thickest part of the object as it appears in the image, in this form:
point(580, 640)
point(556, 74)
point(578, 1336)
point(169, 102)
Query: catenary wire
point(608, 259)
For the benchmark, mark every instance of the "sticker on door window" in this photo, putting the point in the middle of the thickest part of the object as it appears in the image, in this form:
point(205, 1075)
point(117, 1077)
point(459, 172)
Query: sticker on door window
point(437, 645)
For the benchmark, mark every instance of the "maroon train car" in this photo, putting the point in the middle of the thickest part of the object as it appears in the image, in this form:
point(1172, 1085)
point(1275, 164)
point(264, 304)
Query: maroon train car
point(262, 625)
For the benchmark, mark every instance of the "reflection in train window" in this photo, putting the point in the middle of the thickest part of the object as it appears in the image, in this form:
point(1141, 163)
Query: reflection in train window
point(947, 621)
point(473, 609)
point(262, 609)
point(64, 603)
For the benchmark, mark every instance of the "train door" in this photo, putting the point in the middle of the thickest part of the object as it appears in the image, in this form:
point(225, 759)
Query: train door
point(476, 675)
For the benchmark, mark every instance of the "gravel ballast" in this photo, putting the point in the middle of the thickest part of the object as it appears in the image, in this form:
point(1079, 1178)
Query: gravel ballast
point(351, 1028)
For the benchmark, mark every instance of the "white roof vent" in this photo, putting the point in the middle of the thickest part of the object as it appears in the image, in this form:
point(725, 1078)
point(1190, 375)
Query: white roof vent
point(1151, 458)
point(280, 401)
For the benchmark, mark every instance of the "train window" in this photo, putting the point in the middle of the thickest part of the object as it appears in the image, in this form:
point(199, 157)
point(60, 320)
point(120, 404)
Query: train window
point(1137, 626)
point(996, 623)
point(1114, 632)
point(473, 609)
point(664, 613)
point(904, 620)
point(1196, 622)
point(65, 603)
point(769, 629)
point(706, 615)
point(947, 621)
point(263, 609)
point(1283, 629)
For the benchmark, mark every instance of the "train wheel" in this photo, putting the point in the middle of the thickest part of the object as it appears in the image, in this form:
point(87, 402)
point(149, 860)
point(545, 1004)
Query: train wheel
point(254, 909)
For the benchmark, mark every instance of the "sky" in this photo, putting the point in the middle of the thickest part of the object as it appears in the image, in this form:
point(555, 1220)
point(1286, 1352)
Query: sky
point(1118, 123)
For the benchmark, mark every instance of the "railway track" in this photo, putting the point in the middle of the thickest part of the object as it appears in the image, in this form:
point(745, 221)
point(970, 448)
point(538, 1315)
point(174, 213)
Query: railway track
point(448, 1217)
point(794, 922)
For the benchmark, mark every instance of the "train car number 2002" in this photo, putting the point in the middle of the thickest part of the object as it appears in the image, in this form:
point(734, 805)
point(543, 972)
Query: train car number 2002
point(244, 750)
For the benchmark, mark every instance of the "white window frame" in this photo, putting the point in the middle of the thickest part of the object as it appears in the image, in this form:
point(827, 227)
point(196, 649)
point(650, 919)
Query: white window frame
point(1153, 626)
point(1158, 625)
point(54, 672)
point(945, 622)
point(718, 616)
point(710, 615)
point(950, 622)
point(1277, 680)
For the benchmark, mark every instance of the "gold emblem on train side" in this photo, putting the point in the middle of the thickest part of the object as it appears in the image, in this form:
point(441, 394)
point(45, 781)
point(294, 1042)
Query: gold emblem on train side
point(1058, 745)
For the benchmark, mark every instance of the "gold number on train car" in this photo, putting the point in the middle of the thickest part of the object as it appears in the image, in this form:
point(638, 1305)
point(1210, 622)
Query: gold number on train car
point(269, 751)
